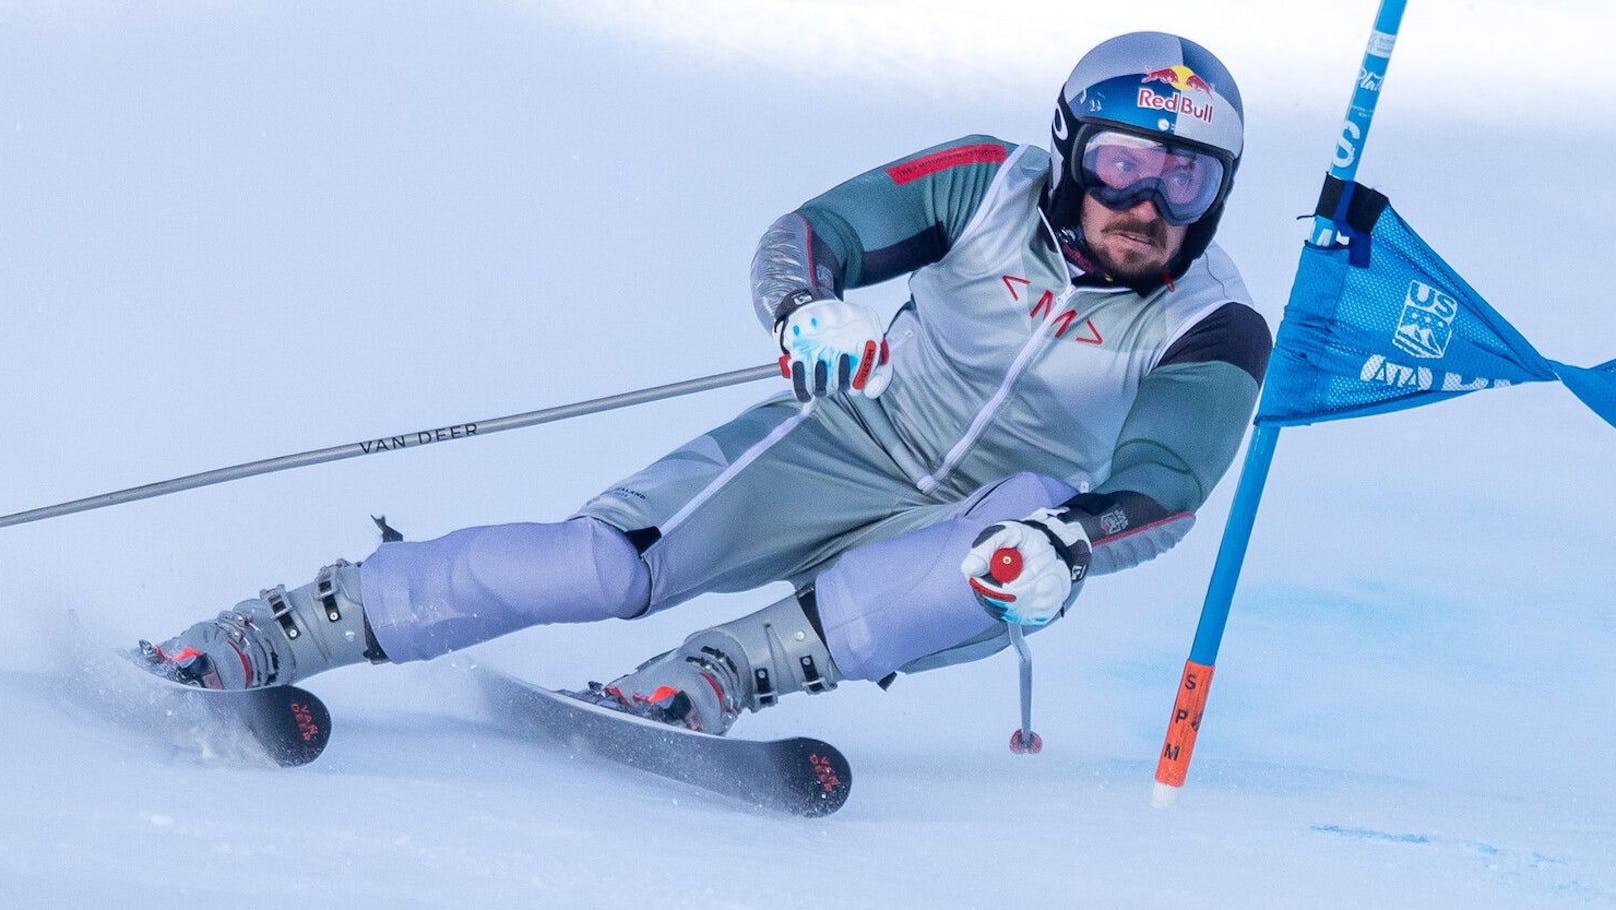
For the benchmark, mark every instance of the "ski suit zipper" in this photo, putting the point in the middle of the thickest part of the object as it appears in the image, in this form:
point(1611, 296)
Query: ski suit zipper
point(1033, 346)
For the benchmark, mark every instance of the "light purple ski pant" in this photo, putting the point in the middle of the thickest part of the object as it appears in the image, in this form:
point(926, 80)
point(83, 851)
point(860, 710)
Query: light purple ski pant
point(883, 605)
point(884, 558)
point(429, 598)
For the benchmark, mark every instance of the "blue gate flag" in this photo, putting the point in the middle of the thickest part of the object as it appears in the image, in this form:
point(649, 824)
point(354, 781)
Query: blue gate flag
point(1381, 323)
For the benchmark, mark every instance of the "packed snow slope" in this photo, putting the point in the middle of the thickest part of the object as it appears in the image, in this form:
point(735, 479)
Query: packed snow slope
point(234, 230)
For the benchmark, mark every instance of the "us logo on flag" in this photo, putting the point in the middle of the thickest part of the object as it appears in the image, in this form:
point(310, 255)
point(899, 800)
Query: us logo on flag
point(1426, 325)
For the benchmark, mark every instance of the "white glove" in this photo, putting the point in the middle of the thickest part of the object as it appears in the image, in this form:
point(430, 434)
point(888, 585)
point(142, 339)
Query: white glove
point(1029, 571)
point(829, 345)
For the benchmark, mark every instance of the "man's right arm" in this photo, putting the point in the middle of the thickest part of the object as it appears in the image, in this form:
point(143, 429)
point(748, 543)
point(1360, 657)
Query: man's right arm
point(879, 225)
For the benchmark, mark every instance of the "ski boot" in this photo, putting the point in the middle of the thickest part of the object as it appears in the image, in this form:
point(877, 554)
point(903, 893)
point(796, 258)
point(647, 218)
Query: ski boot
point(274, 639)
point(705, 683)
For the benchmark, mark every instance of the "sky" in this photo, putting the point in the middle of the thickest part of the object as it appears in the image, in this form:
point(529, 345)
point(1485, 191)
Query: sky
point(239, 230)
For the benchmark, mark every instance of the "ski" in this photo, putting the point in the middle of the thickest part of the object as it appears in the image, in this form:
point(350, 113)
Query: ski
point(281, 725)
point(285, 724)
point(799, 776)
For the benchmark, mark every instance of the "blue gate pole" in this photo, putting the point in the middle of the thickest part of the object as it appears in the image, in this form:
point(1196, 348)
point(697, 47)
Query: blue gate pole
point(1190, 702)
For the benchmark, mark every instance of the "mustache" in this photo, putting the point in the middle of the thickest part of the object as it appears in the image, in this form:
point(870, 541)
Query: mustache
point(1155, 229)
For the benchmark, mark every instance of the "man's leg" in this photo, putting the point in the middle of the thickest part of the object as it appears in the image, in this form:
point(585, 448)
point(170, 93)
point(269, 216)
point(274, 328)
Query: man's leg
point(413, 601)
point(882, 606)
point(476, 584)
point(891, 603)
point(417, 600)
point(705, 683)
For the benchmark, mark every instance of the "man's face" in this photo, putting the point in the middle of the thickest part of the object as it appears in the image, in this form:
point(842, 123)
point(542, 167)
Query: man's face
point(1131, 243)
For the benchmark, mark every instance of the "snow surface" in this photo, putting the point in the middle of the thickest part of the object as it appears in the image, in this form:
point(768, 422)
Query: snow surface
point(236, 230)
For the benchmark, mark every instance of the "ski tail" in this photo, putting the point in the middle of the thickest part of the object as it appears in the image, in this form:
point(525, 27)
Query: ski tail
point(799, 775)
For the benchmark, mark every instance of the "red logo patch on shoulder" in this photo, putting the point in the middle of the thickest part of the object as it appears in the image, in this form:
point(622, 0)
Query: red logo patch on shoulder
point(926, 165)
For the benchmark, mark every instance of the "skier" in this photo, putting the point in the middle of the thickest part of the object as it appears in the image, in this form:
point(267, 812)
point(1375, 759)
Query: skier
point(1072, 374)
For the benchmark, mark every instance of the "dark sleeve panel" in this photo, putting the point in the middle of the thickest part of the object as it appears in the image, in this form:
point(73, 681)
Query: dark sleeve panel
point(924, 248)
point(905, 215)
point(1233, 333)
point(1126, 528)
point(1105, 515)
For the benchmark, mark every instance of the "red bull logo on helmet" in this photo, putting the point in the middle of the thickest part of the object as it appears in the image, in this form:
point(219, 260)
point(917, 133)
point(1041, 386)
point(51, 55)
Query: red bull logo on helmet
point(1181, 79)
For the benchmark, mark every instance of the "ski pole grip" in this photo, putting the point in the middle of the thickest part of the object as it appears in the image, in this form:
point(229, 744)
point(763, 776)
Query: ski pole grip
point(1185, 723)
point(1005, 566)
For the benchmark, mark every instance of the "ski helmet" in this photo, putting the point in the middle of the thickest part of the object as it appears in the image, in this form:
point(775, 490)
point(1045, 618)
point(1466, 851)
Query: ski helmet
point(1155, 87)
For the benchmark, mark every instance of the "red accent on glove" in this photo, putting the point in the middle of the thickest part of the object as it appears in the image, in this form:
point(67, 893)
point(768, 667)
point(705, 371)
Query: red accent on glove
point(991, 593)
point(866, 364)
point(785, 365)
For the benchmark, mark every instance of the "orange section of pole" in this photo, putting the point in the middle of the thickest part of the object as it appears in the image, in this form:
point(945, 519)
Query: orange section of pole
point(1185, 723)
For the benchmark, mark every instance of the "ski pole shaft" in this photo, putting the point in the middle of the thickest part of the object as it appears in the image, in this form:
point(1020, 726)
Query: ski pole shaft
point(1024, 655)
point(409, 440)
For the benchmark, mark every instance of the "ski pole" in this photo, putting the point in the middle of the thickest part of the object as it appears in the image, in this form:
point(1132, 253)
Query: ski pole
point(1190, 702)
point(393, 443)
point(1024, 741)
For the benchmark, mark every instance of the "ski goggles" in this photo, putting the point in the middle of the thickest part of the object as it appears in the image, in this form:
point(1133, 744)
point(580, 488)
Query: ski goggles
point(1121, 170)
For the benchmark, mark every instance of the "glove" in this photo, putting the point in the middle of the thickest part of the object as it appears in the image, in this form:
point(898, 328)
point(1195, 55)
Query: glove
point(1029, 571)
point(829, 345)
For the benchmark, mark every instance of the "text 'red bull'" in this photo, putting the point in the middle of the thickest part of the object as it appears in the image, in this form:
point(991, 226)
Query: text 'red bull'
point(1177, 103)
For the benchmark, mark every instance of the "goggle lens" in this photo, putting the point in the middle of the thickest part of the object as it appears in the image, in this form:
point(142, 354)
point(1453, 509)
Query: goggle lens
point(1121, 170)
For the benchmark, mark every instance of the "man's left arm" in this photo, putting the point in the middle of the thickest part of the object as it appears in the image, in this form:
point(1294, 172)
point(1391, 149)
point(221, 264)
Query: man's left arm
point(1178, 439)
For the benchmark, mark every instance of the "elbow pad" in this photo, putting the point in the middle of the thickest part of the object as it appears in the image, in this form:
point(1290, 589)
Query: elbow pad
point(790, 263)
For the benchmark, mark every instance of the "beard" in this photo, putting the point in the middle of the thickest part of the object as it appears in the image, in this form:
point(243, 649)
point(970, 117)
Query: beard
point(1131, 248)
point(1093, 236)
